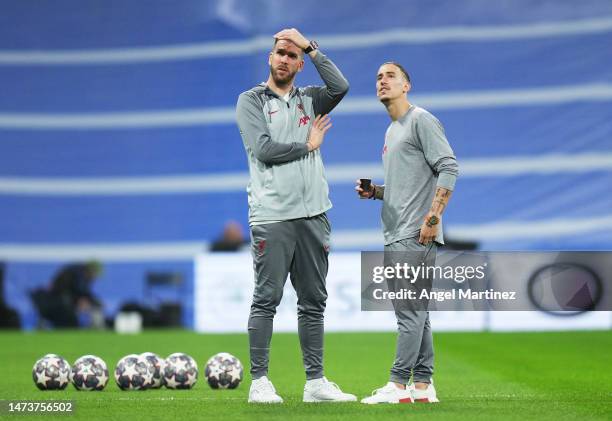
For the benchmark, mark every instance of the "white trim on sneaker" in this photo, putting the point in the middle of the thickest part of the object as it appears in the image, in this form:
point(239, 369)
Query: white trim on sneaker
point(390, 393)
point(425, 395)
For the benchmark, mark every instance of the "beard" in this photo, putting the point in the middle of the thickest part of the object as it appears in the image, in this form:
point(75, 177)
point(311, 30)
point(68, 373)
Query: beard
point(281, 80)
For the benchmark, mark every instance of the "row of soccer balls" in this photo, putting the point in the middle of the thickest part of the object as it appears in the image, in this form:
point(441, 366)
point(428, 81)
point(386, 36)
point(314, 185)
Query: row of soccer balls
point(137, 372)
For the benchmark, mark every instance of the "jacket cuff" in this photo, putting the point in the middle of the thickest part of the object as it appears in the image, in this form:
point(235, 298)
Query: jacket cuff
point(318, 58)
point(447, 181)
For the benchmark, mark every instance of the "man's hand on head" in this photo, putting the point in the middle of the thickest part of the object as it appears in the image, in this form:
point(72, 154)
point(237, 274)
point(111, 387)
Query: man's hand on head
point(294, 36)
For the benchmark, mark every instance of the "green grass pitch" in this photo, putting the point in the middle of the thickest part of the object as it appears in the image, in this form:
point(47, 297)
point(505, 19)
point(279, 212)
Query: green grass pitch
point(479, 376)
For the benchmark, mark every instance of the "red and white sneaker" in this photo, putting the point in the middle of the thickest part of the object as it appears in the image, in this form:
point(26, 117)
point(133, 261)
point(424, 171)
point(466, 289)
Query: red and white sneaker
point(425, 395)
point(390, 393)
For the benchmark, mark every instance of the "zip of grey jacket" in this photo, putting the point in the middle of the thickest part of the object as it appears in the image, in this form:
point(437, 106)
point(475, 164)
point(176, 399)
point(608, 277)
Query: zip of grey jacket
point(286, 181)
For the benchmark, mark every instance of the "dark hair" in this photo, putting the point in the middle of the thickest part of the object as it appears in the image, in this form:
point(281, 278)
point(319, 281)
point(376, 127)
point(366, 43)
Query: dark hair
point(399, 66)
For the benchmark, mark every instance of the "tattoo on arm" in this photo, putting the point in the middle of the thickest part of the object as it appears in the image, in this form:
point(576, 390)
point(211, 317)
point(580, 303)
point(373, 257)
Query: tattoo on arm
point(440, 200)
point(379, 192)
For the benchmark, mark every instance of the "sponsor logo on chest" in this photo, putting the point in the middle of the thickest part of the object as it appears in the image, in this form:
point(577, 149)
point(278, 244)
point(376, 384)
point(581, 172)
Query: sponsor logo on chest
point(305, 118)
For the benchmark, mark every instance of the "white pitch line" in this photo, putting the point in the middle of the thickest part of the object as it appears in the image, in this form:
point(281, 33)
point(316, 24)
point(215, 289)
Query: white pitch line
point(336, 174)
point(347, 41)
point(353, 105)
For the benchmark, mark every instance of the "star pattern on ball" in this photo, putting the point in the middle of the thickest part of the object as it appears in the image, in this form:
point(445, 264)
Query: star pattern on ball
point(55, 361)
point(130, 371)
point(181, 364)
point(191, 379)
point(103, 378)
point(223, 371)
point(172, 383)
point(148, 378)
point(85, 369)
point(214, 371)
point(235, 373)
point(89, 372)
point(42, 378)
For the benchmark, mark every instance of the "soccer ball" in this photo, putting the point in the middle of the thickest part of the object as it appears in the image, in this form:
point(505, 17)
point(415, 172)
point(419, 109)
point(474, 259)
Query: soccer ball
point(133, 373)
point(89, 373)
point(180, 372)
point(223, 371)
point(51, 372)
point(157, 365)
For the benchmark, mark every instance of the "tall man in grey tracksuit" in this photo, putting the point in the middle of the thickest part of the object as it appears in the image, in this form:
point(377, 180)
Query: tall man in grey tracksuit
point(282, 128)
point(420, 172)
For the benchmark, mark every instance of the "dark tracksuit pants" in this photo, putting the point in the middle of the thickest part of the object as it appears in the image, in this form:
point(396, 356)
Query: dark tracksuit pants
point(298, 248)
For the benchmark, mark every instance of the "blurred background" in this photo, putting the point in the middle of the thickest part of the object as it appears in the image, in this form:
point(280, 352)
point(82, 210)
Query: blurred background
point(121, 165)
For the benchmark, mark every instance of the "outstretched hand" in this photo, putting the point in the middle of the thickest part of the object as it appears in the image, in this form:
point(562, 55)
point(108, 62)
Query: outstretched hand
point(319, 127)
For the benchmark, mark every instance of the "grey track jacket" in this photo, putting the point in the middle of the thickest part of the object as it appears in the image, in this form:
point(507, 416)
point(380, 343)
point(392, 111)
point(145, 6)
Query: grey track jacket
point(286, 181)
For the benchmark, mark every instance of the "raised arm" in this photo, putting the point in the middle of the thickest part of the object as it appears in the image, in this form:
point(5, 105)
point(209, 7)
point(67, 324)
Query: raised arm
point(256, 137)
point(325, 98)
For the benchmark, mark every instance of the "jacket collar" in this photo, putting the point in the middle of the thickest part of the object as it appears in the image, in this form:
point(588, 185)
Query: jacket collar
point(270, 92)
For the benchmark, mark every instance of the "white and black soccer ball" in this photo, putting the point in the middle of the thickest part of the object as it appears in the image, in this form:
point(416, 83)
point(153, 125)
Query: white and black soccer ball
point(133, 373)
point(180, 372)
point(89, 372)
point(51, 372)
point(223, 371)
point(157, 365)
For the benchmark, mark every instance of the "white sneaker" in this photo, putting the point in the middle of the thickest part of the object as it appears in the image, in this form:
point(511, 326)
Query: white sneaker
point(426, 395)
point(262, 391)
point(322, 390)
point(390, 393)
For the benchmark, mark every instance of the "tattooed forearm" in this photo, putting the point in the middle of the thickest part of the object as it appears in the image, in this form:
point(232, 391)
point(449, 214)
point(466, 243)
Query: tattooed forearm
point(379, 192)
point(440, 201)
